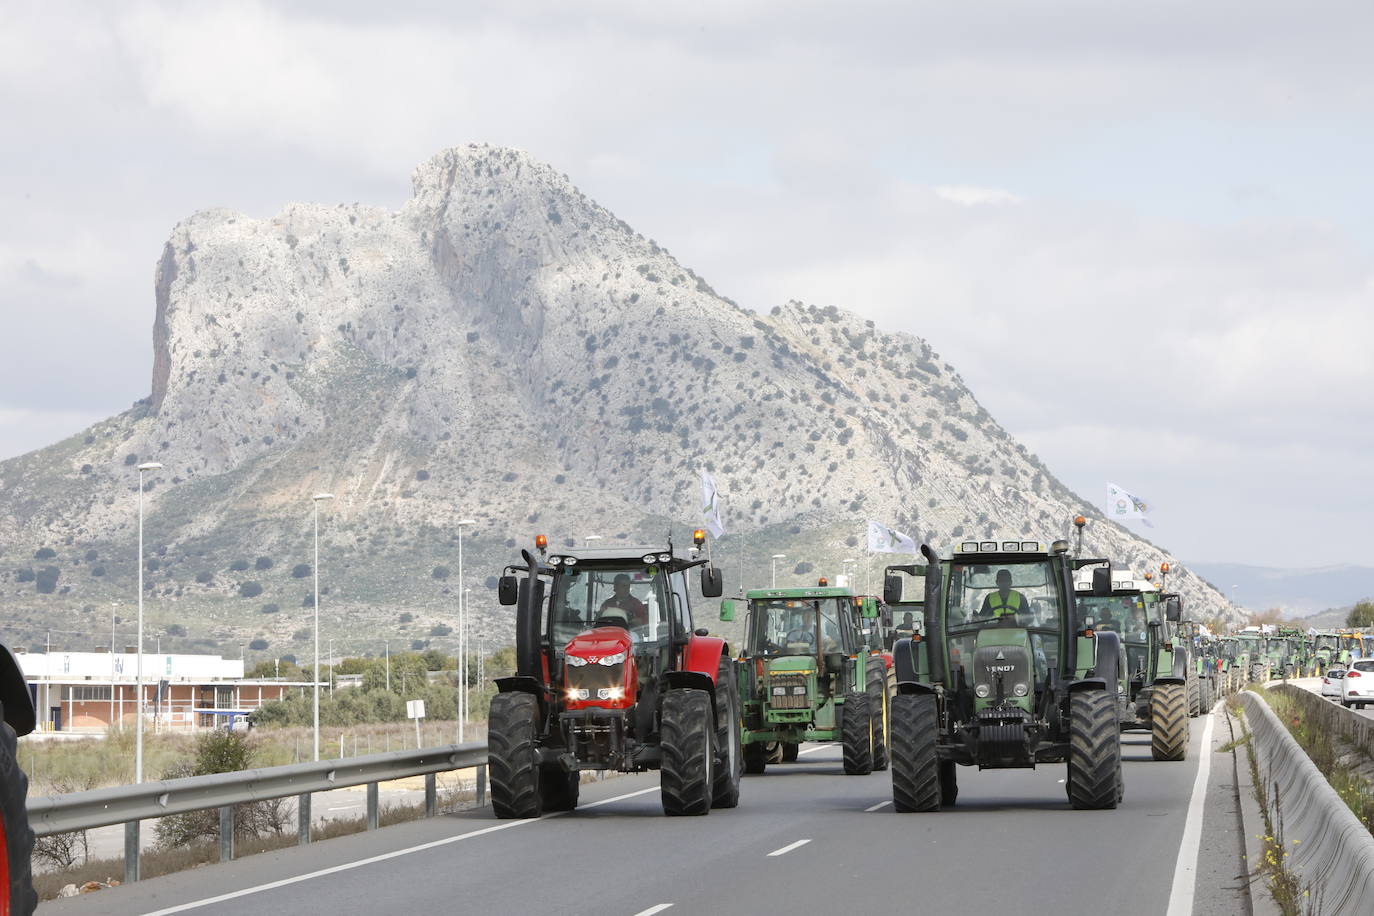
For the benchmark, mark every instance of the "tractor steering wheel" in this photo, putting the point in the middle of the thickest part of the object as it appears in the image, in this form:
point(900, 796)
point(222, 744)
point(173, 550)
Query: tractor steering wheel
point(801, 634)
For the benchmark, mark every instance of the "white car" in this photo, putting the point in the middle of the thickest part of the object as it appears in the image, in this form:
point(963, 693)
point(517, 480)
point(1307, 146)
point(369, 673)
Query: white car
point(1357, 687)
point(1331, 683)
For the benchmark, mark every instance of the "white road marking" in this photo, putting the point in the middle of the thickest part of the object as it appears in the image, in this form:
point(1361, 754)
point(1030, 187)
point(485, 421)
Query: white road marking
point(371, 860)
point(344, 807)
point(788, 848)
point(654, 909)
point(812, 750)
point(1185, 869)
point(882, 804)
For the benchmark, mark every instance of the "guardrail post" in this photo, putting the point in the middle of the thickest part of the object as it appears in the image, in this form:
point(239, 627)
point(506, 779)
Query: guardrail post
point(372, 806)
point(431, 795)
point(130, 851)
point(226, 833)
point(303, 819)
point(481, 785)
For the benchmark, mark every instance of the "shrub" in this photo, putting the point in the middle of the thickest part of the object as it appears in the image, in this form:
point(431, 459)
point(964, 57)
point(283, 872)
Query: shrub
point(130, 460)
point(270, 608)
point(258, 645)
point(44, 553)
point(422, 475)
point(204, 577)
point(300, 570)
point(250, 590)
point(238, 565)
point(262, 563)
point(45, 580)
point(803, 568)
point(92, 556)
point(417, 644)
point(97, 570)
point(440, 629)
point(220, 751)
point(301, 635)
point(176, 629)
point(405, 618)
point(153, 564)
point(440, 572)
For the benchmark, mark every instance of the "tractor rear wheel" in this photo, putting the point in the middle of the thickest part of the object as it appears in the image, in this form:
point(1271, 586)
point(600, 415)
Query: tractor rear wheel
point(1205, 686)
point(879, 709)
point(1094, 772)
point(725, 792)
point(856, 735)
point(1168, 722)
point(949, 783)
point(1194, 697)
point(686, 740)
point(916, 770)
point(755, 758)
point(16, 837)
point(512, 725)
point(790, 750)
point(559, 787)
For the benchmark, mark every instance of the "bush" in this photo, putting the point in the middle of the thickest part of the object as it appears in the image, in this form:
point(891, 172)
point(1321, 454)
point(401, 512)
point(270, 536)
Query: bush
point(44, 553)
point(204, 577)
point(92, 556)
point(176, 629)
point(23, 575)
point(301, 635)
point(250, 590)
point(405, 618)
point(262, 563)
point(422, 475)
point(238, 565)
point(270, 608)
point(802, 568)
point(440, 629)
point(130, 460)
point(220, 751)
point(300, 571)
point(440, 572)
point(97, 570)
point(45, 580)
point(258, 645)
point(417, 645)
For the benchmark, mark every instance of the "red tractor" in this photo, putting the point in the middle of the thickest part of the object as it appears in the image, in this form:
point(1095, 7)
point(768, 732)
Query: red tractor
point(610, 675)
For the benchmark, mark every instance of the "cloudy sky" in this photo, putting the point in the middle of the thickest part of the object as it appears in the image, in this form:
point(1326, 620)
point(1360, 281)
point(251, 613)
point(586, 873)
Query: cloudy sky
point(1141, 232)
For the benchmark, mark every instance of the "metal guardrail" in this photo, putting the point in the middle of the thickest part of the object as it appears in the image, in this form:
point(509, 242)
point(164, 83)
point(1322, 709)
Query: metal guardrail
point(1327, 845)
point(128, 805)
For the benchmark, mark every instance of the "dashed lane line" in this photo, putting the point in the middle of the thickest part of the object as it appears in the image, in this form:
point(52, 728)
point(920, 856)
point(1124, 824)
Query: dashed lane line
point(788, 848)
point(880, 805)
point(654, 909)
point(371, 860)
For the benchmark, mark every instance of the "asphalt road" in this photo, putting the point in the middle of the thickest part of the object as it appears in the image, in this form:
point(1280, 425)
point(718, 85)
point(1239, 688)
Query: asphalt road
point(805, 838)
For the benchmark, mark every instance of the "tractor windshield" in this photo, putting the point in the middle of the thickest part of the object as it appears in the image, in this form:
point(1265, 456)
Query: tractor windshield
point(1024, 594)
point(1124, 614)
point(790, 626)
point(1326, 642)
point(635, 598)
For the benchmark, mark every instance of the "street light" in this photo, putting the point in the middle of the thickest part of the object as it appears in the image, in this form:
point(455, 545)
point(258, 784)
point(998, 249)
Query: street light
point(462, 630)
point(316, 500)
point(138, 666)
point(773, 567)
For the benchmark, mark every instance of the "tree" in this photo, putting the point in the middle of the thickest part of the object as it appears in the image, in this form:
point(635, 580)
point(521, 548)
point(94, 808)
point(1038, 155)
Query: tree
point(176, 629)
point(250, 590)
point(1274, 616)
point(262, 563)
point(1361, 615)
point(239, 565)
point(45, 580)
point(44, 553)
point(258, 645)
point(300, 570)
point(440, 572)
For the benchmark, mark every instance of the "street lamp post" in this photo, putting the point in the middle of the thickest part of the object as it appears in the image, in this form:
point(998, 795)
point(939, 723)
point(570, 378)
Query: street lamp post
point(138, 665)
point(316, 500)
point(773, 568)
point(462, 630)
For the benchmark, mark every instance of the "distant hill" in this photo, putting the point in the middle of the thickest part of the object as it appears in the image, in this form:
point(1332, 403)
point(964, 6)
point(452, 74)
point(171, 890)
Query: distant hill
point(1298, 591)
point(502, 349)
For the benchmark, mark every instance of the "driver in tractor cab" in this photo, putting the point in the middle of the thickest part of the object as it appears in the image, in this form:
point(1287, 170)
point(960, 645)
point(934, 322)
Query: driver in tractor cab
point(613, 617)
point(1006, 601)
point(636, 611)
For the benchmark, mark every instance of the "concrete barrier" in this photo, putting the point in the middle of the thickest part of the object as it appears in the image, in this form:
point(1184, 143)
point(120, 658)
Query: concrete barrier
point(1334, 852)
point(1335, 718)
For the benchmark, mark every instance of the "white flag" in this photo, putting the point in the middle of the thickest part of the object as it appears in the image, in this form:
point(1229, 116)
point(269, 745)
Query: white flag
point(882, 539)
point(710, 505)
point(1123, 507)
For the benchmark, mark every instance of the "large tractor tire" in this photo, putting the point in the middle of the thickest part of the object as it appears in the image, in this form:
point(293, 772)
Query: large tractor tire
point(1094, 772)
point(916, 770)
point(16, 837)
point(879, 708)
point(729, 766)
point(1205, 691)
point(790, 750)
point(559, 787)
point(512, 725)
point(687, 739)
point(1194, 697)
point(856, 735)
point(755, 758)
point(1168, 722)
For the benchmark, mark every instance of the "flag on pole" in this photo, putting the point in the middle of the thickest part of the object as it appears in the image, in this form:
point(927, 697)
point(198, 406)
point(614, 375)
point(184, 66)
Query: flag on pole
point(710, 505)
point(1124, 507)
point(882, 539)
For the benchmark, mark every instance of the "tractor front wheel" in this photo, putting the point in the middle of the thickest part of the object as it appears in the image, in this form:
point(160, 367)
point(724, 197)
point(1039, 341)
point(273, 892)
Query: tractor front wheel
point(1168, 722)
point(1094, 772)
point(512, 725)
point(856, 735)
point(730, 762)
point(686, 739)
point(879, 709)
point(1194, 697)
point(1205, 688)
point(916, 770)
point(790, 750)
point(755, 758)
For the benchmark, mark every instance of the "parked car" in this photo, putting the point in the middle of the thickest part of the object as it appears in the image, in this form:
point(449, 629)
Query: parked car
point(1331, 683)
point(1357, 687)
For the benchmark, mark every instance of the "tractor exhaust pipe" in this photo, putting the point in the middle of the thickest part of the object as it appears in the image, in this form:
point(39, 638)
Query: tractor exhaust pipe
point(934, 635)
point(528, 605)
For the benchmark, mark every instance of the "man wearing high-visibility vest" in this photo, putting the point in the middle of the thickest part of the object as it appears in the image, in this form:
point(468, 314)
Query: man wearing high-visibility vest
point(1006, 601)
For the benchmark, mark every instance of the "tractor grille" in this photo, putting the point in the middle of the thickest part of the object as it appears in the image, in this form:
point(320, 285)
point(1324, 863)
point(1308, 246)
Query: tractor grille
point(788, 691)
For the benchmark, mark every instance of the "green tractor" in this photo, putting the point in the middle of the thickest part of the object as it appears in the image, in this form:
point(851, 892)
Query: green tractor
point(809, 672)
point(1155, 690)
point(1258, 670)
point(1004, 674)
point(1235, 660)
point(1204, 661)
point(1326, 649)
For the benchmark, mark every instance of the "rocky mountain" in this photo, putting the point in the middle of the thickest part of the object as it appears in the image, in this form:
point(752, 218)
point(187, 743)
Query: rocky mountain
point(501, 349)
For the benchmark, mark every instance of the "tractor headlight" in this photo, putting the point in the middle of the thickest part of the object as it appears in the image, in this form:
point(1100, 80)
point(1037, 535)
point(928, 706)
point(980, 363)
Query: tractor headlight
point(577, 662)
point(579, 693)
point(982, 691)
point(611, 660)
point(1020, 690)
point(555, 561)
point(647, 558)
point(610, 693)
point(665, 557)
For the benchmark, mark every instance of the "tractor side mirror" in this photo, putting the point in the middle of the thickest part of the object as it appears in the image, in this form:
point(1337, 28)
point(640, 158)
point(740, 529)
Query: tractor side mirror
point(869, 611)
point(507, 590)
point(727, 610)
point(1173, 609)
point(892, 589)
point(712, 582)
point(1102, 582)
